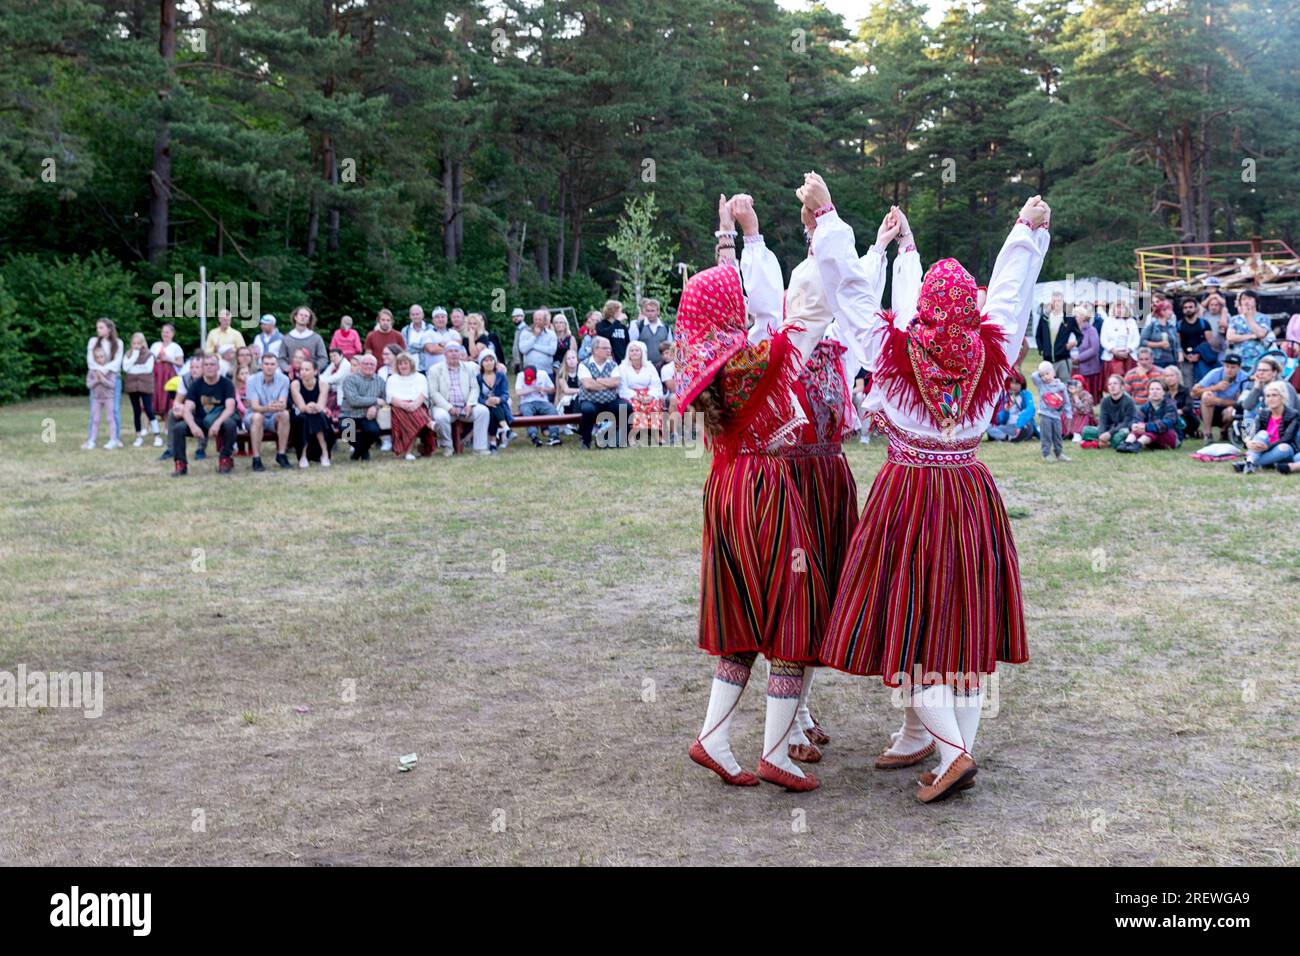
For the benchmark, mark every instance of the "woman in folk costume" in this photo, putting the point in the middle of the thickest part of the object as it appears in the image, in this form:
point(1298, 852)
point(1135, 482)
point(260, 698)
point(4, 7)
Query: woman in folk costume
point(821, 470)
point(759, 591)
point(930, 594)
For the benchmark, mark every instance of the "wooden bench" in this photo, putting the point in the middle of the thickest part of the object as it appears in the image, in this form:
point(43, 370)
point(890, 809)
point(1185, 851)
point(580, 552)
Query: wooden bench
point(458, 430)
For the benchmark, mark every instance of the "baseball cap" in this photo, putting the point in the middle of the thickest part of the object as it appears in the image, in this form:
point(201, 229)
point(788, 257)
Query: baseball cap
point(268, 318)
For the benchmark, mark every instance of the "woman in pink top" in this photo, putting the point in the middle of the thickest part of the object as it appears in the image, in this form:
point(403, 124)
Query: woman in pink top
point(346, 339)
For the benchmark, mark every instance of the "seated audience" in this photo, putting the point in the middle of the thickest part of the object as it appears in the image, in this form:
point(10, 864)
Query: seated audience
point(1156, 425)
point(640, 387)
point(1140, 376)
point(567, 387)
point(1218, 393)
point(478, 339)
point(1278, 439)
point(534, 388)
point(453, 390)
point(361, 398)
point(1081, 406)
point(1118, 412)
point(311, 425)
point(267, 398)
point(207, 412)
point(1014, 419)
point(494, 395)
point(599, 378)
point(1189, 424)
point(407, 394)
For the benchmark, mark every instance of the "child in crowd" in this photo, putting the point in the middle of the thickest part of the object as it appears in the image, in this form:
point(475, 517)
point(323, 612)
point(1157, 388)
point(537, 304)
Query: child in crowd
point(137, 376)
point(1053, 407)
point(1081, 402)
point(101, 380)
point(346, 340)
point(1156, 425)
point(1014, 419)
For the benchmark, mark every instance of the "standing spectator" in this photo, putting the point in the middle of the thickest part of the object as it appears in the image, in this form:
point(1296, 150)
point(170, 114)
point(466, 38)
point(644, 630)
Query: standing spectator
point(1249, 334)
point(303, 335)
point(1014, 419)
point(1118, 412)
point(101, 382)
point(418, 339)
point(458, 322)
point(346, 339)
point(1119, 340)
point(407, 394)
point(1291, 345)
point(613, 326)
point(639, 385)
point(479, 339)
point(212, 399)
point(1218, 393)
point(1278, 437)
point(106, 338)
point(269, 341)
point(267, 398)
point(535, 388)
point(516, 356)
point(1053, 407)
point(1082, 405)
point(453, 390)
point(1140, 376)
point(587, 334)
point(137, 374)
point(309, 396)
point(1055, 336)
point(1156, 425)
point(600, 383)
point(1088, 354)
point(1189, 424)
point(494, 395)
point(648, 329)
point(361, 398)
point(168, 357)
point(1198, 354)
point(537, 343)
point(442, 337)
point(224, 335)
point(563, 342)
point(1160, 334)
point(383, 335)
point(1215, 311)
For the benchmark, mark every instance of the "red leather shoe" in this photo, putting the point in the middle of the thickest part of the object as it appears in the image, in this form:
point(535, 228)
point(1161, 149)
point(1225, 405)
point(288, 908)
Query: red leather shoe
point(701, 757)
point(805, 753)
point(784, 778)
point(817, 735)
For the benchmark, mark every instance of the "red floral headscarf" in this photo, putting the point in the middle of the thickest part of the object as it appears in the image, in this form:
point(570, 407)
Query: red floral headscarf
point(948, 362)
point(709, 329)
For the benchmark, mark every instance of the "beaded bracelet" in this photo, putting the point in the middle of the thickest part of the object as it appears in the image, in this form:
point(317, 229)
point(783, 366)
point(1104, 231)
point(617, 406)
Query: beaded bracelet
point(755, 238)
point(818, 213)
point(727, 233)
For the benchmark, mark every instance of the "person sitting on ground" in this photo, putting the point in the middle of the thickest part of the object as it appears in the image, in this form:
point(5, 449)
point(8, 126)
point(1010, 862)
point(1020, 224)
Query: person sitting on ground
point(383, 335)
point(534, 388)
point(1014, 419)
point(1118, 412)
point(361, 398)
point(599, 376)
point(1218, 393)
point(1082, 406)
point(1053, 408)
point(1251, 405)
point(309, 396)
point(267, 398)
point(494, 395)
point(453, 390)
point(1188, 423)
point(1156, 425)
point(640, 387)
point(207, 412)
point(407, 394)
point(1278, 439)
point(346, 339)
point(1140, 376)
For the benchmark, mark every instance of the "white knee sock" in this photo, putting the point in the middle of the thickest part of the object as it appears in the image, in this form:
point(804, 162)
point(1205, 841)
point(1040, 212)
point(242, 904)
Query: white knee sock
point(912, 736)
point(783, 685)
point(968, 717)
point(805, 721)
point(729, 682)
point(935, 709)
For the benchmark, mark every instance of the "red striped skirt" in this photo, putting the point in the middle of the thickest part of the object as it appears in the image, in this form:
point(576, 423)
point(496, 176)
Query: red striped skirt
point(761, 585)
point(408, 426)
point(830, 500)
point(931, 583)
point(162, 399)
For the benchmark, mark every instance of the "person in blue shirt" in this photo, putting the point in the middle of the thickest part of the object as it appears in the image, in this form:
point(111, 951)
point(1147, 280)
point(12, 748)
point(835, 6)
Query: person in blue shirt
point(1217, 392)
point(1014, 419)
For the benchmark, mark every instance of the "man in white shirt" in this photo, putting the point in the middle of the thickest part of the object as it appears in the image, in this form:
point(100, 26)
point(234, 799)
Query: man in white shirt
point(419, 339)
point(537, 344)
point(441, 336)
point(453, 390)
point(648, 329)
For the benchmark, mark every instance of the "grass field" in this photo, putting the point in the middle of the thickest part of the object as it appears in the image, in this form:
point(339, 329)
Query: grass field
point(271, 644)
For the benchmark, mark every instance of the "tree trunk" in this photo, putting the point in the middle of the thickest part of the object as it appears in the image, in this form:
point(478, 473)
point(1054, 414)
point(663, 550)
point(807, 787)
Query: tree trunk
point(448, 209)
point(543, 245)
point(160, 179)
point(514, 241)
point(332, 177)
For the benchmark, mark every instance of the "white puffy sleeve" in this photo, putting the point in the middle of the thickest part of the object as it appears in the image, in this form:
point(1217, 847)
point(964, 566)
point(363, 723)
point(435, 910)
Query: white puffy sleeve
point(853, 286)
point(1011, 288)
point(764, 288)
